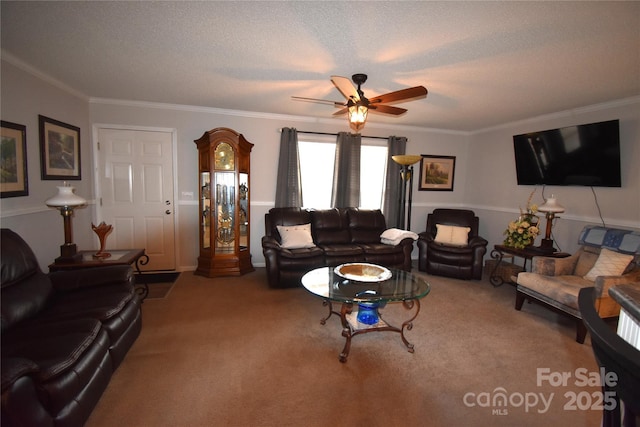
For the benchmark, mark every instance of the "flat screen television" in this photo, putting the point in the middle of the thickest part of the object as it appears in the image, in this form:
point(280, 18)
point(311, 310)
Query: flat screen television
point(587, 154)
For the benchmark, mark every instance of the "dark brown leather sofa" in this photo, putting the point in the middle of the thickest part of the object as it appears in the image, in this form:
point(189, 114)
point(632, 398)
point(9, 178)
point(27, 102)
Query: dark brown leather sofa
point(457, 261)
point(63, 335)
point(340, 236)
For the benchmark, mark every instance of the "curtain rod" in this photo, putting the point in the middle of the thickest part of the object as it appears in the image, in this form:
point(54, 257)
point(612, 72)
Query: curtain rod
point(335, 134)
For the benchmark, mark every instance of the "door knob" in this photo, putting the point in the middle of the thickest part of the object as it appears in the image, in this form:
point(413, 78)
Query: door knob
point(167, 212)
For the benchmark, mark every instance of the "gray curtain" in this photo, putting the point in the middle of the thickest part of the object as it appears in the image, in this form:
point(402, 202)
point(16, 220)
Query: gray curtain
point(288, 185)
point(346, 171)
point(392, 191)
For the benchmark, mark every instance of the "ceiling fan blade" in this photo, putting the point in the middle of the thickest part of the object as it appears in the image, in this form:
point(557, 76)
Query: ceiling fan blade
point(387, 109)
point(403, 95)
point(319, 101)
point(345, 110)
point(346, 88)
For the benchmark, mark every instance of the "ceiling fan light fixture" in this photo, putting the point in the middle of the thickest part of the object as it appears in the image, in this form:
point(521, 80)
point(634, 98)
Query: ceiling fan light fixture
point(357, 116)
point(356, 105)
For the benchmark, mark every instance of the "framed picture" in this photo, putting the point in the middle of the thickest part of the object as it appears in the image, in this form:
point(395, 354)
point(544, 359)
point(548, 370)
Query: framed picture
point(13, 161)
point(59, 150)
point(437, 173)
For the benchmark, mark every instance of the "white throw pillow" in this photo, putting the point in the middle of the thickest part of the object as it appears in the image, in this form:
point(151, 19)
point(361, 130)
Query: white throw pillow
point(609, 263)
point(296, 236)
point(452, 235)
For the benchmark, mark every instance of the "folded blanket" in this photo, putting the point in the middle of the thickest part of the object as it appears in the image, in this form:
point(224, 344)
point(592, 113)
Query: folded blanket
point(393, 236)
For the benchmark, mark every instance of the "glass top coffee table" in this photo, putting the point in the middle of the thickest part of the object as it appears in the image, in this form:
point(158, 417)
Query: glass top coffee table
point(370, 287)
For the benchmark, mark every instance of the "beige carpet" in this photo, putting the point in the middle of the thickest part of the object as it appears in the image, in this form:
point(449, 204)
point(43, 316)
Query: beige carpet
point(232, 352)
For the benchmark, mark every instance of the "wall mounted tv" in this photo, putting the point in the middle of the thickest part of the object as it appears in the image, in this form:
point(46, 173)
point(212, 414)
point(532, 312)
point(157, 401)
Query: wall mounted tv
point(586, 154)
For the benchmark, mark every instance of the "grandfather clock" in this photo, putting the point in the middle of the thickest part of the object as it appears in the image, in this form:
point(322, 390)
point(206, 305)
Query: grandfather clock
point(223, 170)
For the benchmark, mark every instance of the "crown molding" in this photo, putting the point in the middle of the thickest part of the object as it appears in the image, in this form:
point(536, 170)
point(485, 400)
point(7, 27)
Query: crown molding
point(259, 115)
point(13, 60)
point(624, 102)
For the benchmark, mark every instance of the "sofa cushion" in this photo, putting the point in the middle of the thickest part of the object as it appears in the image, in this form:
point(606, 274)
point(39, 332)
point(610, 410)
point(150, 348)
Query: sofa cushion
point(380, 248)
point(284, 216)
point(562, 289)
point(105, 303)
point(452, 235)
point(342, 250)
point(366, 225)
point(627, 241)
point(25, 299)
point(52, 346)
point(609, 263)
point(296, 236)
point(587, 258)
point(329, 226)
point(101, 302)
point(25, 288)
point(302, 253)
point(75, 367)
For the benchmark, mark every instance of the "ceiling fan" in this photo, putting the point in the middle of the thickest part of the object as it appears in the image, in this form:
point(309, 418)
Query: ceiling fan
point(357, 105)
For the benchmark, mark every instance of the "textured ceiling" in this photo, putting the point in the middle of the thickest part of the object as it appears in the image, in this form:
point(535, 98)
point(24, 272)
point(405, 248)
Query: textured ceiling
point(484, 63)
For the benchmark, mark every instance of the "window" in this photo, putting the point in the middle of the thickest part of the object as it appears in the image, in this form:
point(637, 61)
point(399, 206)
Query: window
point(316, 173)
point(373, 170)
point(316, 168)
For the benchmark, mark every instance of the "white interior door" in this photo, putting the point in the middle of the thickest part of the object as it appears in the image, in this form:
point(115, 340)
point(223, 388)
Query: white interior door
point(136, 192)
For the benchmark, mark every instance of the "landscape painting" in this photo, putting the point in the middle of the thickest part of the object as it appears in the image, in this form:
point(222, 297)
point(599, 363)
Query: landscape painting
point(437, 173)
point(13, 160)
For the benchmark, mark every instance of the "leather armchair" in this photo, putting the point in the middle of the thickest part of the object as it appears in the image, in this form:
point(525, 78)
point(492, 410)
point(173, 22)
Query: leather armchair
point(457, 261)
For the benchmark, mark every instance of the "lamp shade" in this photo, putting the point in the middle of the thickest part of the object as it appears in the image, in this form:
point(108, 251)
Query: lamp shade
point(357, 116)
point(551, 205)
point(406, 159)
point(65, 198)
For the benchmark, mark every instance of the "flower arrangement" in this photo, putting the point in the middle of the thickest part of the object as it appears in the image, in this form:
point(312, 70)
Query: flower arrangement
point(523, 232)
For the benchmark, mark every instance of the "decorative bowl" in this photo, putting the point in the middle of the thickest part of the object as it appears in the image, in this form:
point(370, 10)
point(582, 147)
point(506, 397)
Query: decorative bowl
point(363, 272)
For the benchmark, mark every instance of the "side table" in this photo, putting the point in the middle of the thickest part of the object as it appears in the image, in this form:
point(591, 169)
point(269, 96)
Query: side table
point(499, 252)
point(133, 257)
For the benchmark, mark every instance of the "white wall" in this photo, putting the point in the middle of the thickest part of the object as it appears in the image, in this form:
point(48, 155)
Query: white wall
point(492, 190)
point(24, 97)
point(484, 177)
point(263, 131)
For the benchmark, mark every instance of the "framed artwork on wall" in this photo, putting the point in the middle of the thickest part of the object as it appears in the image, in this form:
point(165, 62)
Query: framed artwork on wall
point(13, 161)
point(437, 173)
point(59, 150)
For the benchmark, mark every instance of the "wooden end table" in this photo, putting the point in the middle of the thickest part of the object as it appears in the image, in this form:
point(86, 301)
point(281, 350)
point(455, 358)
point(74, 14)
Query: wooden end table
point(499, 252)
point(133, 257)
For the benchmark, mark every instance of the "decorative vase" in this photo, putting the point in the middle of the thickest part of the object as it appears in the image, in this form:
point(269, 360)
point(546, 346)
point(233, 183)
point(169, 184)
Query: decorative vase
point(368, 313)
point(102, 230)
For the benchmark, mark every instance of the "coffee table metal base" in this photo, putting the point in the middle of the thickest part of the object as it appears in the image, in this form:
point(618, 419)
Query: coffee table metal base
point(351, 327)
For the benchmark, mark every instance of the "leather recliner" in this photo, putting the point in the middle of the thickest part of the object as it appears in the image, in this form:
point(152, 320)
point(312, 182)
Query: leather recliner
point(457, 261)
point(63, 335)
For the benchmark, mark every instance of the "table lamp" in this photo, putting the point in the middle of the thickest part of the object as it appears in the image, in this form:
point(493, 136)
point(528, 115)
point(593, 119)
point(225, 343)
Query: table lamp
point(550, 208)
point(66, 200)
point(406, 174)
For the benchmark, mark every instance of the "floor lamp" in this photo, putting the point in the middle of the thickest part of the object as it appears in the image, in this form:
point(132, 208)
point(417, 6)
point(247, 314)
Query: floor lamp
point(550, 208)
point(66, 201)
point(406, 178)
